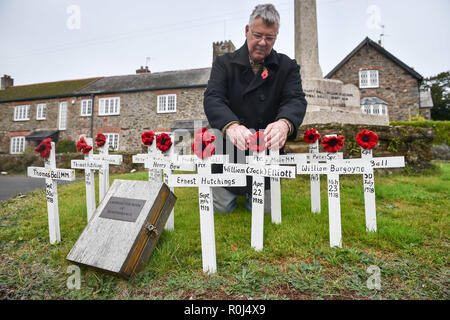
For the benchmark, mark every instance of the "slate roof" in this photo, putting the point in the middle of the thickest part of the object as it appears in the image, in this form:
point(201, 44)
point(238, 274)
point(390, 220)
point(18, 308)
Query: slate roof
point(150, 81)
point(47, 90)
point(368, 42)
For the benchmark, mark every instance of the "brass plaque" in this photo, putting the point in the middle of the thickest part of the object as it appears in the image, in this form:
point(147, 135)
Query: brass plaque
point(123, 209)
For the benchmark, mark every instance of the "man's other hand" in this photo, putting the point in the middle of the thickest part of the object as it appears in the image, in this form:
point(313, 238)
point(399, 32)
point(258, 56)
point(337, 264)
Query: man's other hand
point(276, 134)
point(239, 135)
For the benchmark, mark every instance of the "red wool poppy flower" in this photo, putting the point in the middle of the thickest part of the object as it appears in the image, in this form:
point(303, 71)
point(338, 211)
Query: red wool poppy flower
point(203, 134)
point(147, 138)
point(44, 148)
point(265, 73)
point(163, 142)
point(311, 135)
point(257, 142)
point(332, 143)
point(100, 140)
point(203, 146)
point(367, 139)
point(83, 146)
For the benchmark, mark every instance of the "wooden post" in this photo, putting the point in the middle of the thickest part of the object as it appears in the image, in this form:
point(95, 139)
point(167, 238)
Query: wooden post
point(204, 180)
point(315, 181)
point(89, 165)
point(51, 174)
point(275, 193)
point(103, 174)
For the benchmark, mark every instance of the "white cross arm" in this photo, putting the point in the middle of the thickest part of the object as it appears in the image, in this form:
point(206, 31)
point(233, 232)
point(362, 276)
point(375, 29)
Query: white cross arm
point(350, 166)
point(216, 158)
point(161, 163)
point(140, 158)
point(216, 180)
point(58, 174)
point(87, 164)
point(114, 159)
point(266, 171)
point(387, 162)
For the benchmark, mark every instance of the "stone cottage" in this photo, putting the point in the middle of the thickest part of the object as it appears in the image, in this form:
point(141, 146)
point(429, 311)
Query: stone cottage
point(387, 85)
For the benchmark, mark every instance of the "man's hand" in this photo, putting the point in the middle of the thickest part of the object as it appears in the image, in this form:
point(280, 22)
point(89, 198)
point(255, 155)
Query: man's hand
point(239, 135)
point(276, 134)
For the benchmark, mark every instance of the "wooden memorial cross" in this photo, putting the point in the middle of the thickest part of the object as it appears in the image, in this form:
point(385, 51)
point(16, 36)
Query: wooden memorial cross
point(367, 141)
point(166, 162)
point(89, 165)
point(103, 173)
point(144, 157)
point(51, 175)
point(333, 169)
point(204, 148)
point(259, 171)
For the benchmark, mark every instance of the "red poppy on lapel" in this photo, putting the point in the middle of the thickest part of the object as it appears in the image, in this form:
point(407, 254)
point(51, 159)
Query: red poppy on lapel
point(311, 135)
point(332, 143)
point(100, 140)
point(265, 73)
point(163, 142)
point(44, 148)
point(257, 142)
point(147, 138)
point(367, 139)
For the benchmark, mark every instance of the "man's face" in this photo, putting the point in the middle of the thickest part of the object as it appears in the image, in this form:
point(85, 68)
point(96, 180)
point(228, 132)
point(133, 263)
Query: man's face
point(260, 39)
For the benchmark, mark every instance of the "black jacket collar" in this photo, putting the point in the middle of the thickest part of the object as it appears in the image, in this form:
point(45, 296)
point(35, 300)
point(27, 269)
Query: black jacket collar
point(240, 57)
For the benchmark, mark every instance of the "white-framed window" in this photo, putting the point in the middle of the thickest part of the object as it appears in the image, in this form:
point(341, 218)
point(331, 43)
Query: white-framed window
point(17, 145)
point(22, 113)
point(112, 139)
point(167, 103)
point(376, 109)
point(109, 106)
point(368, 79)
point(86, 107)
point(41, 111)
point(62, 123)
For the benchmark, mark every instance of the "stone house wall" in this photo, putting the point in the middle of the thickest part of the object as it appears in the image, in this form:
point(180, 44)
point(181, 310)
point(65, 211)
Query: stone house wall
point(138, 113)
point(396, 86)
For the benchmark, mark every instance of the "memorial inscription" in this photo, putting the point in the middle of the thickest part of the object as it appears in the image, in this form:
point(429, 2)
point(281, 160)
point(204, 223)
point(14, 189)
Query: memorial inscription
point(123, 209)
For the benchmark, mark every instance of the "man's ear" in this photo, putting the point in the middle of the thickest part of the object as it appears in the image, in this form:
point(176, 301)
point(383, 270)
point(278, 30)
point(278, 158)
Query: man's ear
point(247, 28)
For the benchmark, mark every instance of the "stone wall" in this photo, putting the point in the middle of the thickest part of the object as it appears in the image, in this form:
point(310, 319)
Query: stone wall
point(396, 86)
point(414, 143)
point(138, 113)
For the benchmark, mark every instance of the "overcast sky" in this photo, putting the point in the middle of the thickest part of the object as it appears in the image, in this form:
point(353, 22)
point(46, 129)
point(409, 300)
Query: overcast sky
point(50, 40)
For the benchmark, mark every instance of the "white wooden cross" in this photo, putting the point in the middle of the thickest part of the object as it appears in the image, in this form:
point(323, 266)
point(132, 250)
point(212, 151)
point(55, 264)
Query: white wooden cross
point(259, 171)
point(333, 169)
point(89, 165)
point(103, 174)
point(166, 162)
point(369, 183)
point(153, 174)
point(204, 180)
point(51, 175)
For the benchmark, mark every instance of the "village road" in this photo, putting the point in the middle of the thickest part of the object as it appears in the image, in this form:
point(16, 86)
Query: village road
point(12, 186)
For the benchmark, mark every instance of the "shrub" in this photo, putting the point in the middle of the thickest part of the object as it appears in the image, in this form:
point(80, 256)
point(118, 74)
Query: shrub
point(65, 146)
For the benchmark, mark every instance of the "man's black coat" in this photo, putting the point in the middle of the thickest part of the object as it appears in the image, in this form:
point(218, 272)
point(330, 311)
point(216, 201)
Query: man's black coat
point(235, 93)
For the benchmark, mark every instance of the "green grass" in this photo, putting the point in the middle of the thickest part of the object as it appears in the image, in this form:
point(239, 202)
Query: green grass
point(410, 247)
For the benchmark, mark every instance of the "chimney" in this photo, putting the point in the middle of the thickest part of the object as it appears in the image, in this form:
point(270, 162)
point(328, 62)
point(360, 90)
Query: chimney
point(143, 70)
point(6, 82)
point(222, 47)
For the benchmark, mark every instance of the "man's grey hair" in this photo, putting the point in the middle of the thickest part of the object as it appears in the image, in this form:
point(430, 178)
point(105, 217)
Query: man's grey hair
point(267, 12)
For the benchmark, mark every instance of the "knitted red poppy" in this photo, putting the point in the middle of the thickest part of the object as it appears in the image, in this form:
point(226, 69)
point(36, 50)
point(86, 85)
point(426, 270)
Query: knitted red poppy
point(147, 138)
point(83, 146)
point(203, 146)
point(265, 73)
point(100, 140)
point(311, 135)
point(44, 148)
point(163, 142)
point(367, 139)
point(332, 143)
point(257, 142)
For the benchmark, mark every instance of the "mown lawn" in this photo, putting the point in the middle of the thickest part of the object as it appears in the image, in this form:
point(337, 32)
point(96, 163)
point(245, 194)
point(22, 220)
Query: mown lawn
point(410, 247)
